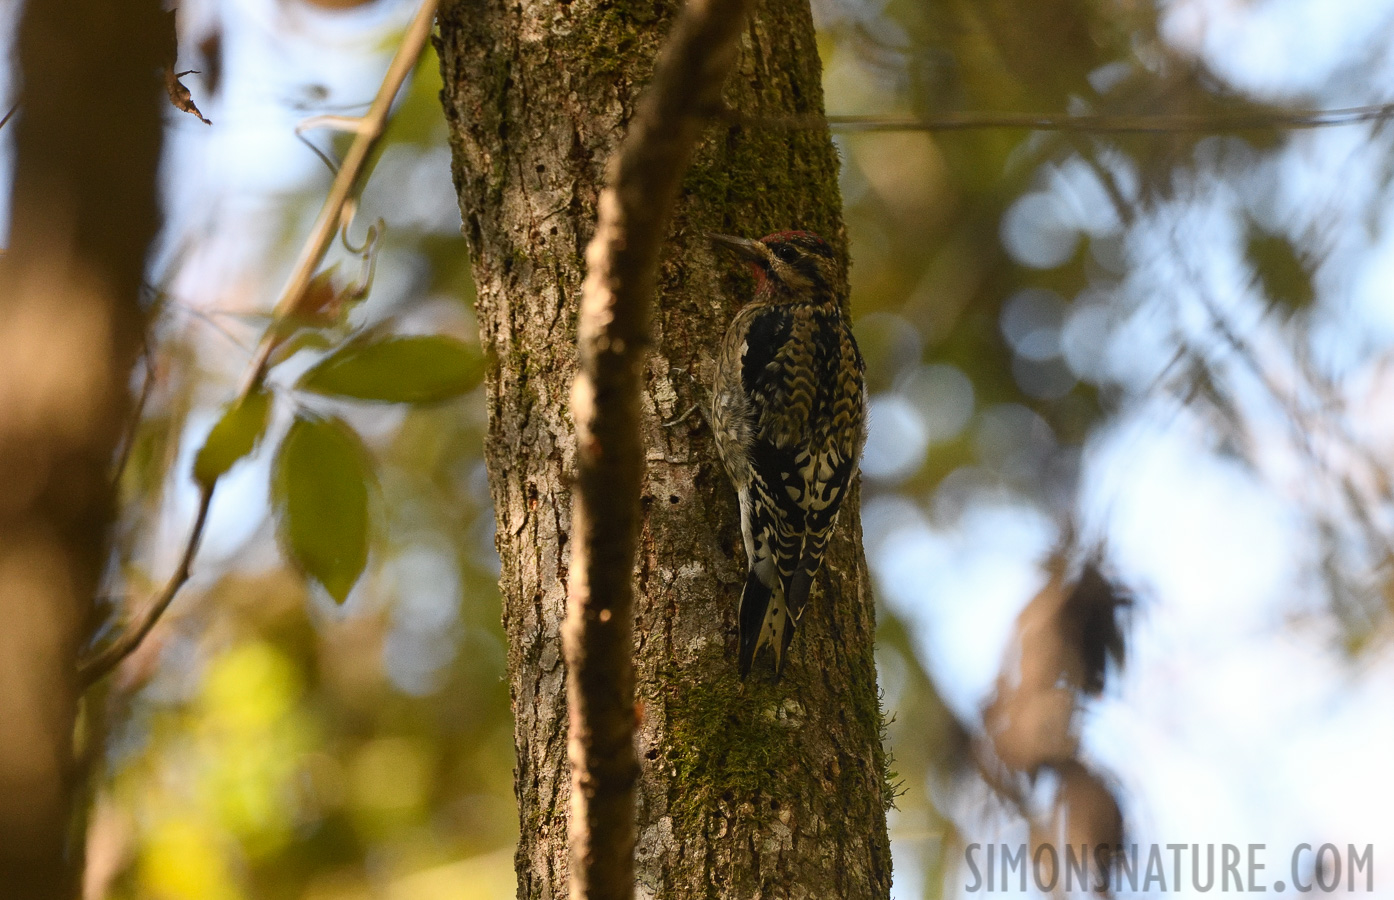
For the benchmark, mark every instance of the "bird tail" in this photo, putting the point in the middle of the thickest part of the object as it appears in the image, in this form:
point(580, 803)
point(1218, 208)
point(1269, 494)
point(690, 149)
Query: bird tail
point(796, 601)
point(764, 621)
point(796, 595)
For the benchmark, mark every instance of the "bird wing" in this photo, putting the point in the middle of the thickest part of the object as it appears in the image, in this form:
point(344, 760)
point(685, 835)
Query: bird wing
point(806, 414)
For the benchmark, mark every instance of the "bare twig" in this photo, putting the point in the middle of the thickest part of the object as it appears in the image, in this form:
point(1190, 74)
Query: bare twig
point(337, 207)
point(345, 186)
point(159, 300)
point(9, 115)
point(1304, 425)
point(1102, 123)
point(128, 441)
point(325, 158)
point(91, 669)
point(613, 334)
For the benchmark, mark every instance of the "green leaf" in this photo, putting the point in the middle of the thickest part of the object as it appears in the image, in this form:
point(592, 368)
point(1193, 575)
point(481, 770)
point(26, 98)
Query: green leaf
point(319, 491)
point(299, 340)
point(425, 369)
point(1286, 278)
point(237, 434)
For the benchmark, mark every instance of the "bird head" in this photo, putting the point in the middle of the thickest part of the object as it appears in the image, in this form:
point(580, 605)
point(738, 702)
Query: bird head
point(795, 262)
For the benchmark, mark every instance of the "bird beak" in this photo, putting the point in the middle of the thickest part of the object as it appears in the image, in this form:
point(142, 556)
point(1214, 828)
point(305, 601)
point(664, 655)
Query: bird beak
point(745, 248)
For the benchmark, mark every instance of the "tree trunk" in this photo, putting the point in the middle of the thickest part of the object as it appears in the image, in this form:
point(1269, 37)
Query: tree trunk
point(87, 143)
point(747, 789)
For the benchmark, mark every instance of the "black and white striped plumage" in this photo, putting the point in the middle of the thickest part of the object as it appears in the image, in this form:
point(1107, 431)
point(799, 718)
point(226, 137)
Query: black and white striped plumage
point(789, 414)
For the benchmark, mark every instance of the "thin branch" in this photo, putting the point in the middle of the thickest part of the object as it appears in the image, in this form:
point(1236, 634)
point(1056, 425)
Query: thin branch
point(336, 208)
point(325, 158)
point(613, 336)
point(159, 301)
point(94, 667)
point(1292, 119)
point(128, 442)
point(335, 122)
point(345, 185)
point(1303, 425)
point(9, 115)
point(348, 124)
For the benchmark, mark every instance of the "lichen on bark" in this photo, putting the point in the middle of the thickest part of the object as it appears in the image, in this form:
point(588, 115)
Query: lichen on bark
point(748, 789)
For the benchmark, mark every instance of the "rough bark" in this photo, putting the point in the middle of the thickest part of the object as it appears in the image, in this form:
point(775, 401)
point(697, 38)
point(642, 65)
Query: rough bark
point(87, 145)
point(747, 789)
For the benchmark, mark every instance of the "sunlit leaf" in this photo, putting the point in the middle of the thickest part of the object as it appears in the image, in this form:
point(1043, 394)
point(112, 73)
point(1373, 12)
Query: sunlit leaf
point(1286, 278)
point(236, 435)
point(301, 340)
point(424, 369)
point(319, 491)
point(416, 118)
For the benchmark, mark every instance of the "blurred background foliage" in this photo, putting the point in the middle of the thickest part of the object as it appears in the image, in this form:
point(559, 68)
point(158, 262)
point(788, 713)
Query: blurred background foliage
point(1149, 364)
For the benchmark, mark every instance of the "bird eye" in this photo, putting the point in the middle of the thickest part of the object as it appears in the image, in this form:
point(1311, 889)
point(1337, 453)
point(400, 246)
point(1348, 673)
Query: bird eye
point(785, 252)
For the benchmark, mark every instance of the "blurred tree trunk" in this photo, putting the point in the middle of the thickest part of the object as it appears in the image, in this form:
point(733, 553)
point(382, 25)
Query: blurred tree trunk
point(87, 142)
point(747, 790)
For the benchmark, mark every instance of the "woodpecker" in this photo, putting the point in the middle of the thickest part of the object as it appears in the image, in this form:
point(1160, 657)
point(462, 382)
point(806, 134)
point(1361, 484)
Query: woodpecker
point(789, 415)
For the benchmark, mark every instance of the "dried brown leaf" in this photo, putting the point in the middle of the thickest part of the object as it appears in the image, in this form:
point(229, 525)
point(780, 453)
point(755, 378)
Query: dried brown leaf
point(180, 96)
point(1087, 813)
point(1030, 720)
point(1091, 622)
point(1064, 639)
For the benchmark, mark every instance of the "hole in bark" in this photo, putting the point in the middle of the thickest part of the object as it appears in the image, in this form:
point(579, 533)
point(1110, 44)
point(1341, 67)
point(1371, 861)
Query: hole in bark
point(541, 168)
point(553, 230)
point(774, 805)
point(652, 754)
point(728, 796)
point(674, 498)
